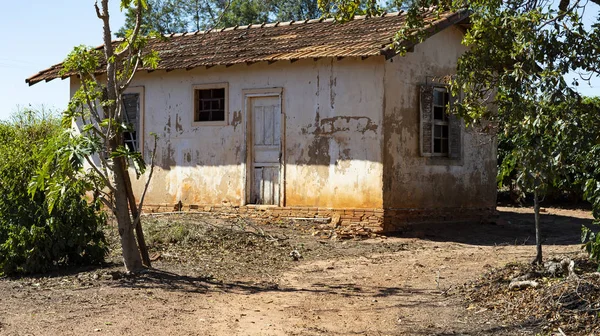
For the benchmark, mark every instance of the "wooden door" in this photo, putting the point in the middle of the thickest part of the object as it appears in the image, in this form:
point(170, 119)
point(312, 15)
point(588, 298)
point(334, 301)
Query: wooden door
point(265, 128)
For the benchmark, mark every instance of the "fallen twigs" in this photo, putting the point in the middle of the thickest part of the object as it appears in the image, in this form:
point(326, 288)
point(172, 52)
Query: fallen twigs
point(563, 294)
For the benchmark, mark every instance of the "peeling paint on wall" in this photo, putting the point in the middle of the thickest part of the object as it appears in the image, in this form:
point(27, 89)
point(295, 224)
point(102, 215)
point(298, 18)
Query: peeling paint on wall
point(178, 126)
point(341, 149)
point(351, 139)
point(347, 124)
point(332, 85)
point(167, 128)
point(168, 157)
point(236, 120)
point(333, 150)
point(330, 126)
point(412, 181)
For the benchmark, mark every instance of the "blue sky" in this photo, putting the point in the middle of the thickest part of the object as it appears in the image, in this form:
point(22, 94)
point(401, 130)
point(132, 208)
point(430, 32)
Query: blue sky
point(40, 33)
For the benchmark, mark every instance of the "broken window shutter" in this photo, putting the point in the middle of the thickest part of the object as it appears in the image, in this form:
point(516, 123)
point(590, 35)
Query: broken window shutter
point(454, 132)
point(426, 99)
point(131, 106)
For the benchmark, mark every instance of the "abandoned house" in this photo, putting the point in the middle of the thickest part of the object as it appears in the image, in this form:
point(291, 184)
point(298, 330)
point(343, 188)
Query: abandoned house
point(311, 119)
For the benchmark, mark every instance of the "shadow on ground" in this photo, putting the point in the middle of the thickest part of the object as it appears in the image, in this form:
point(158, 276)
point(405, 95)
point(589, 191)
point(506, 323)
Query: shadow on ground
point(511, 228)
point(154, 278)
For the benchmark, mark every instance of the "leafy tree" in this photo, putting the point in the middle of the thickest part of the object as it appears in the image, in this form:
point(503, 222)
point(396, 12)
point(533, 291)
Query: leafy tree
point(39, 231)
point(539, 153)
point(176, 16)
point(98, 108)
point(584, 118)
point(288, 10)
point(586, 150)
point(243, 12)
point(344, 10)
point(164, 16)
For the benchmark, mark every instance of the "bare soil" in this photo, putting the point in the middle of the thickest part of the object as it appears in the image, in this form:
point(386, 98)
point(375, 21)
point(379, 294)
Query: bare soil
point(214, 277)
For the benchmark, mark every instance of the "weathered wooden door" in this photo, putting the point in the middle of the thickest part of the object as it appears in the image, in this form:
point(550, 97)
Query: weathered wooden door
point(265, 160)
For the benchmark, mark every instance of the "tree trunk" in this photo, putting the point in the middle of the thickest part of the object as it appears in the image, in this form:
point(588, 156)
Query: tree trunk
point(538, 234)
point(131, 254)
point(139, 232)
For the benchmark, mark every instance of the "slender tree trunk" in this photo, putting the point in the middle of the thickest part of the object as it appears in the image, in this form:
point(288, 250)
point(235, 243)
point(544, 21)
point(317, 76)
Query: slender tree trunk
point(131, 254)
point(139, 232)
point(538, 234)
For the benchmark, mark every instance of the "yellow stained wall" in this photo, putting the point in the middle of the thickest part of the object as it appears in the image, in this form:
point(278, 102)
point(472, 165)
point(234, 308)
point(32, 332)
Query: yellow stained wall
point(351, 135)
point(333, 133)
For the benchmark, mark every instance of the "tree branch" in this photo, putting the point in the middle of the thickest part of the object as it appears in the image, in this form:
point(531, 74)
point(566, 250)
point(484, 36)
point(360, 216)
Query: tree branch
point(135, 67)
point(98, 13)
point(136, 29)
point(108, 204)
point(100, 174)
point(91, 105)
point(152, 164)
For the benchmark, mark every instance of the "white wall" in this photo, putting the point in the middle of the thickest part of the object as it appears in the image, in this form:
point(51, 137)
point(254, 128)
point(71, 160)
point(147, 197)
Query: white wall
point(333, 133)
point(351, 134)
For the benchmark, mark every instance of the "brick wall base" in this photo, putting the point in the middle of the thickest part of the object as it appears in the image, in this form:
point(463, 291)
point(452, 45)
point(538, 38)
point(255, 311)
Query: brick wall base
point(353, 221)
point(397, 219)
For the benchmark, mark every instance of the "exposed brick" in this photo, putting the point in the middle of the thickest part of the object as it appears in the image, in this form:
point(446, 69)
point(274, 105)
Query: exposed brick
point(351, 221)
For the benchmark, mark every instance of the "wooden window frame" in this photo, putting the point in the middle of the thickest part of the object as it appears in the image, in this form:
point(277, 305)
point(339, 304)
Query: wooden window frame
point(141, 115)
point(210, 86)
point(444, 122)
point(427, 124)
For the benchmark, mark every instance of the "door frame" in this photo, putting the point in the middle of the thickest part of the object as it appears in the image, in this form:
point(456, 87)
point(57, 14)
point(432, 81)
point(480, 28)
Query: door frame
point(249, 94)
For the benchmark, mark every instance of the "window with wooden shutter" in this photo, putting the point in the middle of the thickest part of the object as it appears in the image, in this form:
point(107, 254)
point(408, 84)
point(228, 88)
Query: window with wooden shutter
point(440, 131)
point(426, 120)
point(455, 137)
point(131, 116)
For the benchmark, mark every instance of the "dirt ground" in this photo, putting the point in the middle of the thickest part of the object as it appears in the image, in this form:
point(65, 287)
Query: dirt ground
point(217, 278)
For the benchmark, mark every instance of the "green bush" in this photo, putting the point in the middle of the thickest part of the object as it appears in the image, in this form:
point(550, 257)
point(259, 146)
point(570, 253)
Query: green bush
point(36, 237)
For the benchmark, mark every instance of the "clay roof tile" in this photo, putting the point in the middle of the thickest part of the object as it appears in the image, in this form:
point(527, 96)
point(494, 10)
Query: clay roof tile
point(360, 37)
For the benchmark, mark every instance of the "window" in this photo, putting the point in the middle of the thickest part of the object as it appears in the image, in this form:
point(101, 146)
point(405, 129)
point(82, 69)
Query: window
point(440, 121)
point(440, 131)
point(131, 116)
point(210, 104)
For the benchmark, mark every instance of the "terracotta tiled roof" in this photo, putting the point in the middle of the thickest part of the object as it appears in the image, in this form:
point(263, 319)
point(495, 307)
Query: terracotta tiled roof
point(361, 37)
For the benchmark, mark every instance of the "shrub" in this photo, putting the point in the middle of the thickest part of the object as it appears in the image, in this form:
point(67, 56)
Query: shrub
point(36, 236)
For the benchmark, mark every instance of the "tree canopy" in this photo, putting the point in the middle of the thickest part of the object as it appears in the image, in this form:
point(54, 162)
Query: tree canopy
point(177, 16)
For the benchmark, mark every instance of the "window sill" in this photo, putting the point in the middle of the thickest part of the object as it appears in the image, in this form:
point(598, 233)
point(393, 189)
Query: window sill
point(209, 123)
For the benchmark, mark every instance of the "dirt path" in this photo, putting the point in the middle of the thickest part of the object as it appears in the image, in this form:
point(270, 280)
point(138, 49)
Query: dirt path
point(406, 291)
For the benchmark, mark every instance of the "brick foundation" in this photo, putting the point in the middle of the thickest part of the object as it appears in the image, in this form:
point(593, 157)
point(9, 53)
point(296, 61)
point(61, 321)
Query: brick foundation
point(397, 219)
point(356, 221)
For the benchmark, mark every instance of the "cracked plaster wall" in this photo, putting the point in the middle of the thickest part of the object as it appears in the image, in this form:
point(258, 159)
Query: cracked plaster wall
point(333, 133)
point(351, 135)
point(412, 181)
